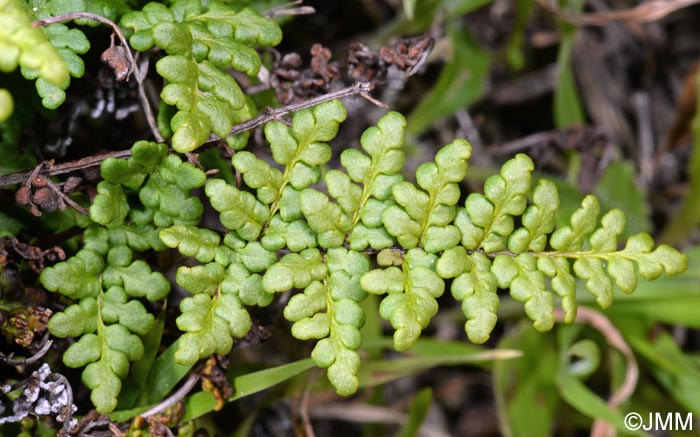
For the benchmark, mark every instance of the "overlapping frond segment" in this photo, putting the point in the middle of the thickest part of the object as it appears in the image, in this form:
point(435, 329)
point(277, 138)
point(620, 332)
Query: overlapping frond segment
point(329, 310)
point(424, 216)
point(106, 282)
point(203, 39)
point(245, 269)
point(230, 279)
point(301, 150)
point(363, 190)
point(420, 220)
point(164, 183)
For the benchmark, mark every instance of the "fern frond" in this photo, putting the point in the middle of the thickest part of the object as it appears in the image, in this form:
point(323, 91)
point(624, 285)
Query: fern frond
point(104, 277)
point(31, 49)
point(373, 232)
point(487, 219)
point(203, 39)
point(107, 318)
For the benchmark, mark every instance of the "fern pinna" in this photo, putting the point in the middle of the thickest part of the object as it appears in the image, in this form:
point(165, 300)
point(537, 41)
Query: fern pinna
point(368, 230)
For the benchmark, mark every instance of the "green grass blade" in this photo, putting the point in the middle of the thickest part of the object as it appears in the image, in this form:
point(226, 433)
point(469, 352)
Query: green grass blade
point(202, 403)
point(417, 413)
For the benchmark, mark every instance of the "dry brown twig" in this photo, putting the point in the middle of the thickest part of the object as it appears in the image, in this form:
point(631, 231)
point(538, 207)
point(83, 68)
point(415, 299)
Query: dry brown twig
point(10, 361)
point(176, 397)
point(47, 196)
point(291, 8)
point(361, 89)
point(115, 52)
point(646, 12)
point(304, 406)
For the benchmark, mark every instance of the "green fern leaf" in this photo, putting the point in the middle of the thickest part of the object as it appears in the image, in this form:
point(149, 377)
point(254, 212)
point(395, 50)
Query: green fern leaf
point(583, 223)
point(527, 285)
point(538, 220)
point(326, 219)
point(487, 219)
point(108, 323)
point(132, 172)
point(302, 148)
point(247, 286)
point(653, 262)
point(137, 280)
point(202, 244)
point(201, 279)
point(203, 39)
point(259, 176)
point(116, 347)
point(131, 314)
point(424, 217)
point(475, 286)
point(294, 271)
point(166, 194)
point(338, 328)
point(77, 277)
point(411, 295)
point(207, 100)
point(210, 30)
point(209, 325)
point(69, 43)
point(110, 206)
point(563, 283)
point(111, 9)
point(295, 235)
point(30, 48)
point(76, 320)
point(240, 211)
point(136, 237)
point(253, 255)
point(363, 193)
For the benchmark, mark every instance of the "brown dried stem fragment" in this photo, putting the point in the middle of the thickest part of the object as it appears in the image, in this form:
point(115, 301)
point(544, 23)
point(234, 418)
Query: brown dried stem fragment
point(361, 89)
point(122, 50)
point(291, 8)
point(45, 346)
point(644, 13)
point(47, 196)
